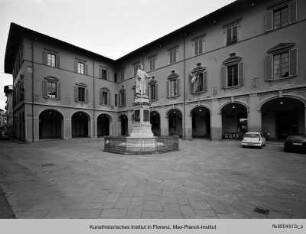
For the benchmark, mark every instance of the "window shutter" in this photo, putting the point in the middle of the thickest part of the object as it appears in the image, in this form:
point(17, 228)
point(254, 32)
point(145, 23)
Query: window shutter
point(293, 11)
point(177, 87)
point(100, 73)
point(293, 62)
point(205, 80)
point(168, 88)
point(223, 77)
point(240, 70)
point(196, 48)
point(58, 63)
point(44, 58)
point(86, 95)
point(76, 96)
point(228, 36)
point(101, 97)
point(109, 99)
point(156, 92)
point(75, 66)
point(44, 88)
point(268, 67)
point(58, 90)
point(269, 21)
point(124, 98)
point(86, 69)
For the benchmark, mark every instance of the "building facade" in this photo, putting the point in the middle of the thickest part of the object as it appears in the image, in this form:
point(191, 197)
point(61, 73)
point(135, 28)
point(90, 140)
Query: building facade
point(8, 90)
point(239, 68)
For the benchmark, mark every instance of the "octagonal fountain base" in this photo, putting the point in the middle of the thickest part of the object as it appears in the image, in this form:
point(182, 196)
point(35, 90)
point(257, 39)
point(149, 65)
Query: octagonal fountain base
point(132, 145)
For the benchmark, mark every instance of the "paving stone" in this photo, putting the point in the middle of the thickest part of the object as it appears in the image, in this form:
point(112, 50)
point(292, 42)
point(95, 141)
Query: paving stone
point(114, 213)
point(152, 206)
point(152, 215)
point(187, 211)
point(123, 202)
point(172, 211)
point(205, 213)
point(113, 197)
point(134, 212)
point(200, 205)
point(136, 201)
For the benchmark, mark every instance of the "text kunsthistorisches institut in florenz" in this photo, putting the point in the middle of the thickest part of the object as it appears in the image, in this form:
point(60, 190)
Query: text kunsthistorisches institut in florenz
point(239, 68)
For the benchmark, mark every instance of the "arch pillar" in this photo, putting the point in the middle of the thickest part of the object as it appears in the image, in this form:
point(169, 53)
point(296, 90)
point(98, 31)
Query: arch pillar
point(216, 121)
point(67, 128)
point(188, 126)
point(255, 122)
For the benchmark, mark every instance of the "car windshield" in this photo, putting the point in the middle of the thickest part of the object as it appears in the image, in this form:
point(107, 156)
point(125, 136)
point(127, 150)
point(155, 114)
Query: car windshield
point(297, 137)
point(251, 135)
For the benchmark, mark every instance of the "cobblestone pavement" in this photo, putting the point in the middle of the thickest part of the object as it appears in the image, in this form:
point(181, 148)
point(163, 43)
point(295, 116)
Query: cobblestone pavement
point(76, 179)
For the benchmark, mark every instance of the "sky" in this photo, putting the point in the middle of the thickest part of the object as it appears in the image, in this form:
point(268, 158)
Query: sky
point(111, 28)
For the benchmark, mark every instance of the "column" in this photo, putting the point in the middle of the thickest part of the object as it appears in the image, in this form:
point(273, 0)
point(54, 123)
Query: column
point(215, 121)
point(254, 115)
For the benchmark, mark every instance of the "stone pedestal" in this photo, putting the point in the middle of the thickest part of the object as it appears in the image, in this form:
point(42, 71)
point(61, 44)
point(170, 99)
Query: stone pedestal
point(141, 127)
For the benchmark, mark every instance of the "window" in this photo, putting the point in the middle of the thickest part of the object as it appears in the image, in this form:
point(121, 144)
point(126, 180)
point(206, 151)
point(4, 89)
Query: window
point(51, 88)
point(198, 45)
point(281, 62)
point(80, 67)
point(104, 74)
point(104, 97)
point(51, 59)
point(81, 93)
point(198, 82)
point(172, 55)
point(280, 15)
point(122, 97)
point(122, 76)
point(173, 85)
point(232, 72)
point(135, 67)
point(232, 34)
point(152, 62)
point(153, 90)
point(116, 99)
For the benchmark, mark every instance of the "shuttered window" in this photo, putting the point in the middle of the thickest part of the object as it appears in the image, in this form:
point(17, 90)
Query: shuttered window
point(173, 87)
point(51, 59)
point(281, 15)
point(153, 88)
point(122, 98)
point(51, 88)
point(81, 93)
point(104, 97)
point(281, 65)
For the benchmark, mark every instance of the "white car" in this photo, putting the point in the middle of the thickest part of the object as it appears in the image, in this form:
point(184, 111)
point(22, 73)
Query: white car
point(255, 139)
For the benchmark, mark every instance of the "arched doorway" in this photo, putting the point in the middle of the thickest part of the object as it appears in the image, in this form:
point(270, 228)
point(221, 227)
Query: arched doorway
point(282, 117)
point(234, 120)
point(200, 122)
point(79, 126)
point(175, 122)
point(124, 125)
point(155, 123)
point(103, 123)
point(50, 124)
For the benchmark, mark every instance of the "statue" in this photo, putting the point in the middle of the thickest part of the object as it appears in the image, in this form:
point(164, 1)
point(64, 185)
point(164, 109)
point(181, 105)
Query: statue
point(141, 83)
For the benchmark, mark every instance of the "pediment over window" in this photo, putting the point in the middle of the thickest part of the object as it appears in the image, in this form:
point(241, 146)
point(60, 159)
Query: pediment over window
point(233, 59)
point(51, 78)
point(198, 68)
point(81, 84)
point(173, 75)
point(152, 81)
point(280, 47)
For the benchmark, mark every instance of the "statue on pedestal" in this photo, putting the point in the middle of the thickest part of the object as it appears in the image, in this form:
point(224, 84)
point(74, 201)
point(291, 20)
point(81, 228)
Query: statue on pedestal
point(141, 81)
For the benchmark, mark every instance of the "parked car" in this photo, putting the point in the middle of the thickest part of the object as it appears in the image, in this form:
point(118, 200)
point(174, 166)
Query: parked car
point(255, 139)
point(295, 143)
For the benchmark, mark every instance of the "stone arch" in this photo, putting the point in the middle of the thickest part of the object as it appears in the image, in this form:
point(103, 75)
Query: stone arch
point(175, 122)
point(200, 121)
point(103, 125)
point(80, 124)
point(50, 124)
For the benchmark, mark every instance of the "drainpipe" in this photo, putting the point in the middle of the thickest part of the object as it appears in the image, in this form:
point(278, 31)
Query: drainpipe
point(184, 95)
point(33, 88)
point(94, 100)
